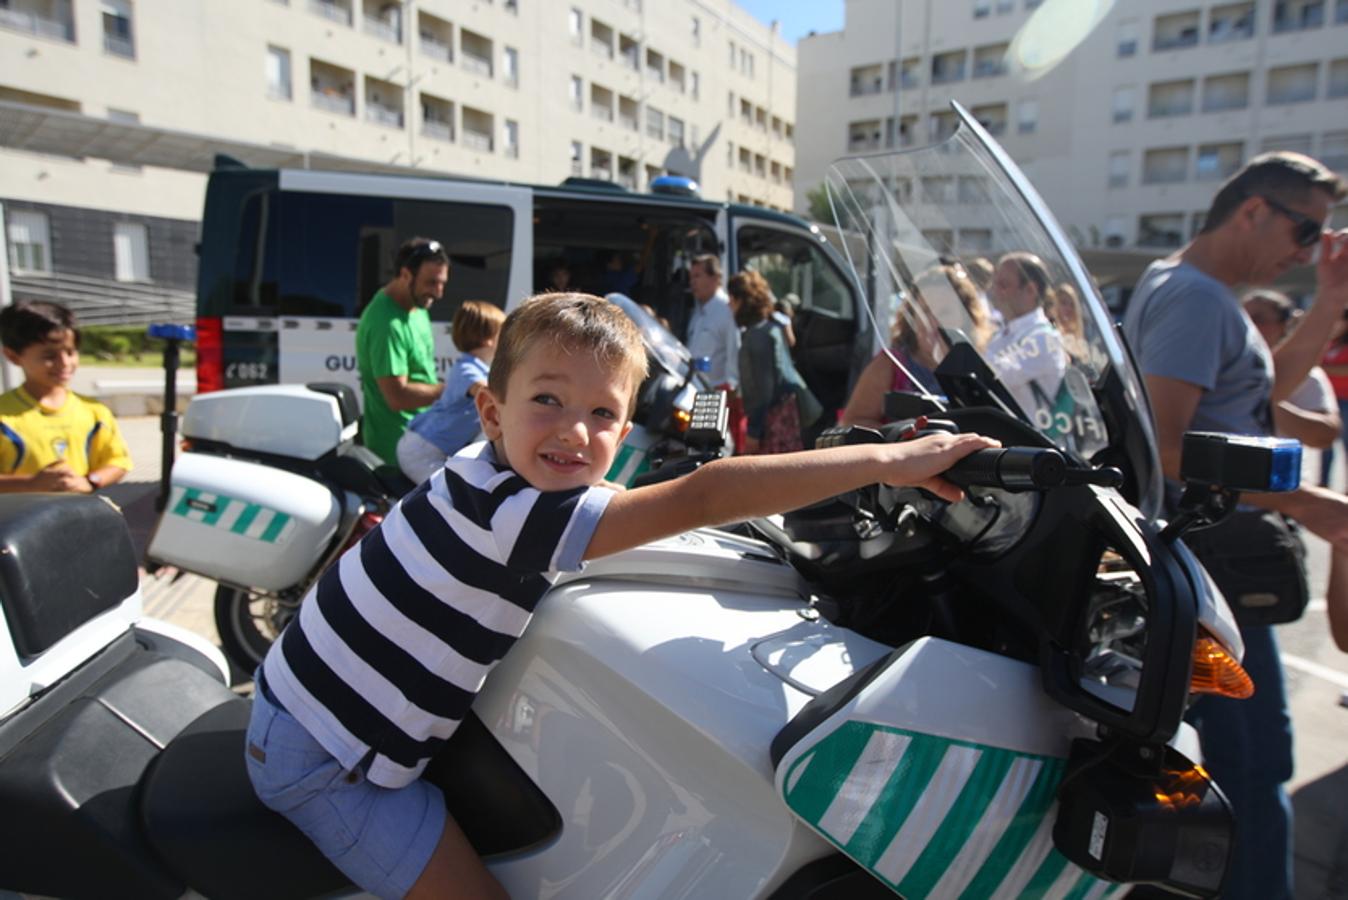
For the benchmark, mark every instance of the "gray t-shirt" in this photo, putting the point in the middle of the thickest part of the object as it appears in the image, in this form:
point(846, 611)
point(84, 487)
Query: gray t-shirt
point(1186, 325)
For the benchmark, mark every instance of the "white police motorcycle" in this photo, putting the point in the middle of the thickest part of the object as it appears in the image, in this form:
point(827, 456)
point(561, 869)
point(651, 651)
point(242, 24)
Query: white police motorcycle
point(884, 694)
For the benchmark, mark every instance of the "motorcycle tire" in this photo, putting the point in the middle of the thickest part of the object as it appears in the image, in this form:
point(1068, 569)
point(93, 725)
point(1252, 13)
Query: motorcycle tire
point(248, 624)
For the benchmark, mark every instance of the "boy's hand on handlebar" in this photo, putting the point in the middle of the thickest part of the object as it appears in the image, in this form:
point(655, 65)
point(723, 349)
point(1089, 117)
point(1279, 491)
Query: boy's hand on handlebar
point(920, 462)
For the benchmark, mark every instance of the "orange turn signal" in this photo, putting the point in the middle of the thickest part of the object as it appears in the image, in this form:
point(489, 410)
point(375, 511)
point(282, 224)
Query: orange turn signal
point(1217, 672)
point(682, 419)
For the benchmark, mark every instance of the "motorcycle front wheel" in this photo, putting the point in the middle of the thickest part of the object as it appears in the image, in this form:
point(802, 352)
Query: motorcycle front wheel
point(248, 624)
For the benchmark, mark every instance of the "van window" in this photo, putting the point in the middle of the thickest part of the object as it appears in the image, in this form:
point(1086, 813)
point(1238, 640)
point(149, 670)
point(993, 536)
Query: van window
point(314, 254)
point(794, 264)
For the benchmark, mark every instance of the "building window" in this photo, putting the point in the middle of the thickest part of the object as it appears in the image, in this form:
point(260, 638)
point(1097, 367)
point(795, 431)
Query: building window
point(1005, 6)
point(696, 31)
point(278, 73)
point(1338, 77)
point(1114, 231)
point(655, 122)
point(511, 136)
point(1231, 23)
point(1297, 15)
point(510, 66)
point(1295, 143)
point(577, 158)
point(1341, 13)
point(575, 25)
point(1120, 162)
point(982, 9)
point(1176, 31)
point(1123, 104)
point(990, 61)
point(866, 80)
point(118, 37)
point(676, 131)
point(29, 241)
point(947, 67)
point(1223, 92)
point(1126, 45)
point(1027, 116)
point(734, 56)
point(1170, 98)
point(1216, 161)
point(1165, 165)
point(131, 251)
point(694, 85)
point(1160, 230)
point(1291, 84)
point(1334, 150)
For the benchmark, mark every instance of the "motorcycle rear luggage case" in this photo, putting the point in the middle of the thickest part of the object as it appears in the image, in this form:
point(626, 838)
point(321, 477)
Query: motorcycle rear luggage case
point(243, 523)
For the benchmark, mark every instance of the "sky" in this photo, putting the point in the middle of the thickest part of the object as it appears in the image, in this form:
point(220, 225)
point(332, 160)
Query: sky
point(798, 17)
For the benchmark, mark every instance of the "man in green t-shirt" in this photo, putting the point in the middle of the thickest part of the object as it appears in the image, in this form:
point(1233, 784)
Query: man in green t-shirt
point(395, 351)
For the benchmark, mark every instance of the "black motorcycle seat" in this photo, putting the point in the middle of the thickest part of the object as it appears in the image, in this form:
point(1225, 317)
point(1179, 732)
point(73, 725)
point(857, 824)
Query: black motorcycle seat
point(202, 817)
point(361, 470)
point(39, 535)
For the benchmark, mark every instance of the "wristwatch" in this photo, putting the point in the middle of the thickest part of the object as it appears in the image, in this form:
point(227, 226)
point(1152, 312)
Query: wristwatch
point(95, 482)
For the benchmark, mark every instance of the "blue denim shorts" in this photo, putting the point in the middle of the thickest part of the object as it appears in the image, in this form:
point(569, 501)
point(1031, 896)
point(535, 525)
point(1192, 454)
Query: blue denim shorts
point(381, 838)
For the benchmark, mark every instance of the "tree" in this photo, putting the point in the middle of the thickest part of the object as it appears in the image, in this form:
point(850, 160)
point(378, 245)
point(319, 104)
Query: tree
point(817, 198)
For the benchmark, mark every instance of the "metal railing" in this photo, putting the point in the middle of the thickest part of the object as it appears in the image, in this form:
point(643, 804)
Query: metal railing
point(601, 112)
point(440, 131)
point(383, 30)
point(477, 140)
point(336, 104)
point(329, 10)
point(103, 301)
point(35, 24)
point(383, 115)
point(437, 49)
point(472, 62)
point(119, 46)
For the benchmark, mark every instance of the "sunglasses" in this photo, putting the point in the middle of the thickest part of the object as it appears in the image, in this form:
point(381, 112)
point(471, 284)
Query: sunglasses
point(1307, 231)
point(423, 252)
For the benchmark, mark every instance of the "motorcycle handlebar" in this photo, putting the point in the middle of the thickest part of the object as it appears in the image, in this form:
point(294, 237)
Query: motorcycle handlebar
point(1011, 469)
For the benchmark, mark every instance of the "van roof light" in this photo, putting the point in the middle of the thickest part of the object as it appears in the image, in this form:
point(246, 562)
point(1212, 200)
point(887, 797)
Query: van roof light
point(678, 185)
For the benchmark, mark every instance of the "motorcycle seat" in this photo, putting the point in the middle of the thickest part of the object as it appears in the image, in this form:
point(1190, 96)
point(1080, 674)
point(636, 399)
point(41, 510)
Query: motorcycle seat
point(360, 470)
point(202, 817)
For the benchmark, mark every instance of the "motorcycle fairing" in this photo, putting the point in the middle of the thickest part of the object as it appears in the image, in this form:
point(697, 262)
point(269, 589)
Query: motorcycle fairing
point(940, 793)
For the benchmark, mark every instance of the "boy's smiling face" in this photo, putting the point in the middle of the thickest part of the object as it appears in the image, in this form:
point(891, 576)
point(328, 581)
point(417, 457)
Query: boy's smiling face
point(48, 364)
point(562, 419)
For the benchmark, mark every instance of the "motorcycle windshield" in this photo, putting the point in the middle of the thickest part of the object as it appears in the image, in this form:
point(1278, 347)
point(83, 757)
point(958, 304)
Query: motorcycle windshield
point(663, 348)
point(918, 224)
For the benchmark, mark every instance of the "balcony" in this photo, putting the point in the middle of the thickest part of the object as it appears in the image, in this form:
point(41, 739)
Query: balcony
point(477, 140)
point(475, 63)
point(335, 103)
point(1176, 32)
point(35, 23)
point(1297, 15)
point(436, 49)
point(629, 122)
point(383, 29)
point(438, 131)
point(330, 10)
point(1231, 23)
point(1160, 231)
point(602, 113)
point(383, 115)
point(119, 45)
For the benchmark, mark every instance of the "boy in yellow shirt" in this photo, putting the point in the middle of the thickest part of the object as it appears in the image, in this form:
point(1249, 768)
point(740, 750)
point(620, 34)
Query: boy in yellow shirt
point(52, 439)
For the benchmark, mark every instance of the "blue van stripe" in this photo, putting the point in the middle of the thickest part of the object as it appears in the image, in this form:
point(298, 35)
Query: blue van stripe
point(19, 446)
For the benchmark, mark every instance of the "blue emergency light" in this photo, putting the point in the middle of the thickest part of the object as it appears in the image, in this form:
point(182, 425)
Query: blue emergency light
point(169, 332)
point(1241, 462)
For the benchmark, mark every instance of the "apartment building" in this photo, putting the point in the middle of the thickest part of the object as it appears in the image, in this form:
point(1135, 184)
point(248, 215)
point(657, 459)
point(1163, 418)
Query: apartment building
point(1127, 137)
point(515, 90)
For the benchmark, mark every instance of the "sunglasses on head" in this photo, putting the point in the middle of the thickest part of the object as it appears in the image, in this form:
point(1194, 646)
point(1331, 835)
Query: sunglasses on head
point(423, 252)
point(1307, 230)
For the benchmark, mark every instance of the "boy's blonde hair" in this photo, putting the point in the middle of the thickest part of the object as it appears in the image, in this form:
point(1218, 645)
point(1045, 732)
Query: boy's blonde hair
point(475, 323)
point(576, 323)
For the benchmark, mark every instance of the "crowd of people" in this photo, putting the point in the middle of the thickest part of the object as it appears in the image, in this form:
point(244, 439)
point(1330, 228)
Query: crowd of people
point(552, 388)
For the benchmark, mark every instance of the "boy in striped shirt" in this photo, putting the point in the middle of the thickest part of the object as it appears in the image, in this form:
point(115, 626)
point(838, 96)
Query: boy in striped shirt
point(396, 639)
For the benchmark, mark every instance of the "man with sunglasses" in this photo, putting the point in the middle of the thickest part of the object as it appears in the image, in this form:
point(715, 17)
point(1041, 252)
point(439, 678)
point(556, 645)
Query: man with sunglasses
point(395, 351)
point(1208, 369)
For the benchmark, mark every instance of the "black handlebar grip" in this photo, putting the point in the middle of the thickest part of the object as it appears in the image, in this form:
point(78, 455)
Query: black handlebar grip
point(1011, 469)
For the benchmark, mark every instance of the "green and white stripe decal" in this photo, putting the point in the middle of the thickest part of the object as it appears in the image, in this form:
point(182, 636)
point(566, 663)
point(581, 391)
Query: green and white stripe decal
point(939, 818)
point(251, 520)
point(632, 459)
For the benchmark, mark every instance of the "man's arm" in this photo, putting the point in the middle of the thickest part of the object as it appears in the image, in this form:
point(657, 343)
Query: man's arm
point(1173, 404)
point(1294, 357)
point(1336, 598)
point(401, 394)
point(743, 487)
point(1314, 429)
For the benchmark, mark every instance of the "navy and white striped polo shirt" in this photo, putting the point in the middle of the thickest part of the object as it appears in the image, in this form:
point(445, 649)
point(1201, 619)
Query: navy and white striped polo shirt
point(392, 645)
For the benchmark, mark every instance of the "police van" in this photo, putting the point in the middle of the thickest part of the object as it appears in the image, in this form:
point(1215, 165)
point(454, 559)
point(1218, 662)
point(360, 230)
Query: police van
point(288, 258)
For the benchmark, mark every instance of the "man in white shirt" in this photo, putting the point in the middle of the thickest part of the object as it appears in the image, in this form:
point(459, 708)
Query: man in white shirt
point(1027, 353)
point(712, 333)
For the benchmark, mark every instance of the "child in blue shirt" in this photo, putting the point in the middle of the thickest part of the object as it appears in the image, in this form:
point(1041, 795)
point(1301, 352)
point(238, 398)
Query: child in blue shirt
point(451, 423)
point(392, 645)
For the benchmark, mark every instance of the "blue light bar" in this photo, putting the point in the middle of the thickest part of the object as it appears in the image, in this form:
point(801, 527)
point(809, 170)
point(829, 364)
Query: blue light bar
point(169, 332)
point(1285, 465)
point(1241, 462)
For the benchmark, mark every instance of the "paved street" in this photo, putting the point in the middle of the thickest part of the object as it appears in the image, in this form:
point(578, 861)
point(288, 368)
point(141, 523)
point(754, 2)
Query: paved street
point(1317, 673)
